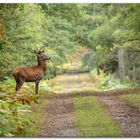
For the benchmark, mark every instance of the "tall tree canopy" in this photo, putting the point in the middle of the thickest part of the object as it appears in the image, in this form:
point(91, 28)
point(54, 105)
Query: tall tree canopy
point(62, 28)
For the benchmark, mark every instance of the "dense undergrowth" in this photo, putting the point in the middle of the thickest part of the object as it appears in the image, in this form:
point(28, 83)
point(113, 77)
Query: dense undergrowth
point(16, 109)
point(105, 82)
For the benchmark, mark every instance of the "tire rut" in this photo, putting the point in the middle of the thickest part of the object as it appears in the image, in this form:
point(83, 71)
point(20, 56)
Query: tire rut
point(127, 117)
point(60, 119)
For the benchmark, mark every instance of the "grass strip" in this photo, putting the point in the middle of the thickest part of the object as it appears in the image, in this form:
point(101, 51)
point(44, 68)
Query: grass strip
point(132, 99)
point(92, 120)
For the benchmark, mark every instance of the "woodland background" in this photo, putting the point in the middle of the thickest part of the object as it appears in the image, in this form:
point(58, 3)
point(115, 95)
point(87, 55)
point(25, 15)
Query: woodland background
point(100, 39)
point(109, 32)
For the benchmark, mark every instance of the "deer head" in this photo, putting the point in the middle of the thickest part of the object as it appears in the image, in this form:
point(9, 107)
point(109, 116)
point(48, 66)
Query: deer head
point(40, 54)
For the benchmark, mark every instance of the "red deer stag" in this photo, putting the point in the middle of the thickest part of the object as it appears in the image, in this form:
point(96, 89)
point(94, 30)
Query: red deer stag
point(32, 74)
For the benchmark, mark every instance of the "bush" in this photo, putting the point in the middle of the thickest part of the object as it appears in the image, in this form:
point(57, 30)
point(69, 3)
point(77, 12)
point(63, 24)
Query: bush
point(14, 109)
point(50, 73)
point(107, 81)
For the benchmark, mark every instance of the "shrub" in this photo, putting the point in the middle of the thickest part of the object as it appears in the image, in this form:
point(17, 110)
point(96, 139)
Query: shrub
point(109, 82)
point(14, 109)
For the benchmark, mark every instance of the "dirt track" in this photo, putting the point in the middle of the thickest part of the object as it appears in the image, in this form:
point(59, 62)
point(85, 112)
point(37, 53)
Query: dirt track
point(60, 121)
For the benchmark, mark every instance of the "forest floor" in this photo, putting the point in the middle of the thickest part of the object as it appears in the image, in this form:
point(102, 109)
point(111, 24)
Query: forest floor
point(60, 120)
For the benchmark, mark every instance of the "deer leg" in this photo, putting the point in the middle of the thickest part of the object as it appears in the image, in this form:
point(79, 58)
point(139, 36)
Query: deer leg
point(19, 84)
point(16, 82)
point(36, 87)
point(16, 88)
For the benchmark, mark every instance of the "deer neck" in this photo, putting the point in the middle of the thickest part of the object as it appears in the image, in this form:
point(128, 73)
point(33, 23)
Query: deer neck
point(42, 64)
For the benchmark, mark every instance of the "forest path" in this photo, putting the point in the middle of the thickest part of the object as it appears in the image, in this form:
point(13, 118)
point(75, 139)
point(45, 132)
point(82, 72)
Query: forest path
point(67, 83)
point(60, 121)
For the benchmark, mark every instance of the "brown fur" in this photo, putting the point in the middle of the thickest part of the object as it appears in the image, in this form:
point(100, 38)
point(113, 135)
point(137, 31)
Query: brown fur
point(31, 74)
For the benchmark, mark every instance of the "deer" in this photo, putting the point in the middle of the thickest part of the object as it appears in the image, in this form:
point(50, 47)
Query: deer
point(32, 74)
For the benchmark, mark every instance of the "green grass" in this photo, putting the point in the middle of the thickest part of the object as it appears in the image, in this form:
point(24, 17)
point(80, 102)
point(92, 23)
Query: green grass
point(133, 99)
point(92, 120)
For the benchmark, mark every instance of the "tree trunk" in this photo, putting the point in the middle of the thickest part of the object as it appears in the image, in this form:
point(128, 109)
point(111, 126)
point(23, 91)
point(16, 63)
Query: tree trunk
point(121, 64)
point(134, 73)
point(96, 63)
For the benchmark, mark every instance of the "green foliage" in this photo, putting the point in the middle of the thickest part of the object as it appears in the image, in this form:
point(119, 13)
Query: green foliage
point(111, 26)
point(15, 109)
point(62, 28)
point(34, 26)
point(14, 120)
point(50, 73)
point(102, 35)
point(89, 60)
point(13, 116)
point(106, 82)
point(23, 29)
point(109, 82)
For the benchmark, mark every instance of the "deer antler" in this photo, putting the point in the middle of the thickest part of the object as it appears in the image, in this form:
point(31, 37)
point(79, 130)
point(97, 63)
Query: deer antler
point(31, 50)
point(42, 49)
